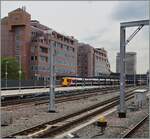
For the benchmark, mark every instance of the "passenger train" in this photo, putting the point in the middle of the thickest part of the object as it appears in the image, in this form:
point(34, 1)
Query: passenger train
point(71, 81)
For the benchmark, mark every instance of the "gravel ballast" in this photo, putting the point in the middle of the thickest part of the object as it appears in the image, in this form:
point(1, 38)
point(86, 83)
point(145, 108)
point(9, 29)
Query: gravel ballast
point(117, 127)
point(31, 115)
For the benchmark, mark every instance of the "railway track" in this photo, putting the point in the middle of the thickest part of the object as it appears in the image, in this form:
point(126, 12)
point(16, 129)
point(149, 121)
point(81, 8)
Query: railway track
point(135, 128)
point(59, 98)
point(52, 128)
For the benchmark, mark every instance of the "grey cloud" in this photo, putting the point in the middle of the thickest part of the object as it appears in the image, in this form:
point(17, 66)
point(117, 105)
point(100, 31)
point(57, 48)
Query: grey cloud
point(130, 10)
point(95, 35)
point(92, 38)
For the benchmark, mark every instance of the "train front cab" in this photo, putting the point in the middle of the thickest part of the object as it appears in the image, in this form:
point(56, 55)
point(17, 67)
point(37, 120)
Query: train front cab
point(66, 82)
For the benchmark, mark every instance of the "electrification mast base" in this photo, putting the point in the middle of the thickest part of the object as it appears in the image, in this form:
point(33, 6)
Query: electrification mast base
point(52, 111)
point(122, 114)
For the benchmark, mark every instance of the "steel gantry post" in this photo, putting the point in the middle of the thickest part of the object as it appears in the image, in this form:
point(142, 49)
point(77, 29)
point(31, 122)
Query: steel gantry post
point(123, 43)
point(122, 109)
point(51, 107)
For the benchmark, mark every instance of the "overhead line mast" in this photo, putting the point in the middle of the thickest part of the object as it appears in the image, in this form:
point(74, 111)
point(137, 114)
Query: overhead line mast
point(123, 43)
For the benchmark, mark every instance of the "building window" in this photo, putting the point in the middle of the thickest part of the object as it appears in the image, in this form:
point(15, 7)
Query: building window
point(33, 33)
point(32, 58)
point(54, 44)
point(43, 59)
point(32, 49)
point(61, 45)
point(43, 50)
point(17, 37)
point(34, 40)
point(55, 52)
point(35, 57)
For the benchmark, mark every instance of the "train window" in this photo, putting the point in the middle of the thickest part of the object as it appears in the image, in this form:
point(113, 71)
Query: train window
point(73, 81)
point(68, 80)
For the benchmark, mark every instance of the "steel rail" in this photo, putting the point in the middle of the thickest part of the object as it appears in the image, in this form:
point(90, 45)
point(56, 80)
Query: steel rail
point(60, 129)
point(61, 119)
point(134, 129)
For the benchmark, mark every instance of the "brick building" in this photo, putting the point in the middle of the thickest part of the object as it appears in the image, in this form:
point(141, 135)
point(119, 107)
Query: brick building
point(30, 42)
point(92, 61)
point(85, 60)
point(16, 36)
point(65, 52)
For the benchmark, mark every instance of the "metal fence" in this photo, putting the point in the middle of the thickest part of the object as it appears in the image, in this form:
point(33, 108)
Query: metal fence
point(26, 83)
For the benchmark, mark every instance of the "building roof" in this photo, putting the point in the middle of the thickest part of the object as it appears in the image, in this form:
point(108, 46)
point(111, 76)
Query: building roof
point(23, 9)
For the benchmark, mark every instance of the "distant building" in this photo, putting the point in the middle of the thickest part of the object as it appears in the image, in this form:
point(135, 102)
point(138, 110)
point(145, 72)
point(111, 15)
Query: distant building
point(85, 60)
point(130, 63)
point(101, 63)
point(30, 41)
point(92, 61)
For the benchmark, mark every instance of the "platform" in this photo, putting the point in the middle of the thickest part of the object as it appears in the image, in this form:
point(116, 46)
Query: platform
point(24, 92)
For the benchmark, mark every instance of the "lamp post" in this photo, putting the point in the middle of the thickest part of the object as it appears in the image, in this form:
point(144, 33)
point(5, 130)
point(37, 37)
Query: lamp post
point(140, 79)
point(6, 73)
point(134, 78)
point(19, 80)
point(20, 72)
point(147, 80)
point(35, 75)
point(44, 82)
point(83, 81)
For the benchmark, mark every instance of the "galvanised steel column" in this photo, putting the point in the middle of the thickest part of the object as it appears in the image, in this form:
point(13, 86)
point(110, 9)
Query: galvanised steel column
point(147, 77)
point(134, 78)
point(6, 73)
point(54, 74)
point(122, 107)
point(51, 107)
point(20, 71)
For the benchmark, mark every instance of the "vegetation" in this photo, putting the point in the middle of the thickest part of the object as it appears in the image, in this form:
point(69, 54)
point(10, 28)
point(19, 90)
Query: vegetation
point(12, 68)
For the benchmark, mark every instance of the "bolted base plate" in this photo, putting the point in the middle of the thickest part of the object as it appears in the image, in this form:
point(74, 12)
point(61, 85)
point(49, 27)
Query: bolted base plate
point(52, 111)
point(122, 115)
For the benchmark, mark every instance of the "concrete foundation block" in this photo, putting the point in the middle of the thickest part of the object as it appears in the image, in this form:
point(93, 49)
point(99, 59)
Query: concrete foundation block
point(6, 118)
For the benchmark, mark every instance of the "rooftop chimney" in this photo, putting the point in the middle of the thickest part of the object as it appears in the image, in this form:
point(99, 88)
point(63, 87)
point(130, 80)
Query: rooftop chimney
point(24, 8)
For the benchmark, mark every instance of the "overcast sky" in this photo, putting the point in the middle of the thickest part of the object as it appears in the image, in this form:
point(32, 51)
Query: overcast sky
point(96, 23)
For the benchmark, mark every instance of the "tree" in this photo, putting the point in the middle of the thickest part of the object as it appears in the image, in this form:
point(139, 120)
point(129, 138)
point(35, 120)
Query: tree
point(12, 68)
